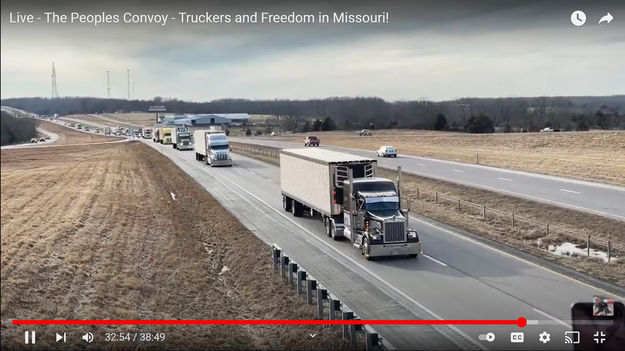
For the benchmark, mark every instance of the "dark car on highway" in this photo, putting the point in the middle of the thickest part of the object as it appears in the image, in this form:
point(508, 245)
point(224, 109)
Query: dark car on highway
point(311, 140)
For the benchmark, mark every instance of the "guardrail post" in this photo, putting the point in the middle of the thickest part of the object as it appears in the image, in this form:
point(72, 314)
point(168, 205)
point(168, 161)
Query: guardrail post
point(346, 332)
point(284, 261)
point(352, 337)
point(372, 341)
point(334, 305)
point(311, 285)
point(275, 253)
point(301, 276)
point(322, 294)
point(588, 245)
point(292, 269)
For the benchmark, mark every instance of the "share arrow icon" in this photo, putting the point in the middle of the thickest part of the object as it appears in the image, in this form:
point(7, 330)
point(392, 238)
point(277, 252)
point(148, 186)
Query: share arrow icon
point(607, 18)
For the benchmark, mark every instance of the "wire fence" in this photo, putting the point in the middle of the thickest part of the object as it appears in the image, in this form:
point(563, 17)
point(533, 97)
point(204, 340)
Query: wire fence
point(529, 228)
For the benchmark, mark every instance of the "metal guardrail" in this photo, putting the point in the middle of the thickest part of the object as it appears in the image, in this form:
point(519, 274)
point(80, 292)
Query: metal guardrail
point(486, 212)
point(328, 304)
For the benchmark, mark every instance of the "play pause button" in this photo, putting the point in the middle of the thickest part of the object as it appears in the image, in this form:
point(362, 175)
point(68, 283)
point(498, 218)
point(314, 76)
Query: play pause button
point(60, 337)
point(30, 337)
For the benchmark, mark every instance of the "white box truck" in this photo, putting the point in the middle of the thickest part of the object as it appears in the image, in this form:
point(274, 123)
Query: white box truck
point(212, 146)
point(146, 133)
point(342, 189)
point(181, 138)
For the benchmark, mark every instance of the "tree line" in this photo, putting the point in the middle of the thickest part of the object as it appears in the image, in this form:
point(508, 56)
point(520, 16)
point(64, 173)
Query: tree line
point(480, 115)
point(14, 130)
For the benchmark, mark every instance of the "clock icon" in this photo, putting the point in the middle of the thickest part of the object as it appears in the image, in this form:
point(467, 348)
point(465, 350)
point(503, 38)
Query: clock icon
point(578, 18)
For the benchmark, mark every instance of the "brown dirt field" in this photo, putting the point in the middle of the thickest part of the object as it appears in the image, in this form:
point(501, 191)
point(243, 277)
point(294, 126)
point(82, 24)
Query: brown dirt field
point(594, 155)
point(93, 233)
point(524, 236)
point(137, 117)
point(71, 136)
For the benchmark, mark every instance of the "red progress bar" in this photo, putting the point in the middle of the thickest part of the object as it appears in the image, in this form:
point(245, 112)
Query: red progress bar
point(521, 322)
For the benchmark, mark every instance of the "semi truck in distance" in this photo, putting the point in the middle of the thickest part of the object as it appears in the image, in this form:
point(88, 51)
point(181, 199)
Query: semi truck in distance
point(163, 135)
point(352, 202)
point(212, 146)
point(146, 133)
point(181, 139)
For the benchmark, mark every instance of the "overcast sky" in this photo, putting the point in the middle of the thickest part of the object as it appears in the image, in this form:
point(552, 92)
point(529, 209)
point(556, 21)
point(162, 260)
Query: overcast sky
point(429, 50)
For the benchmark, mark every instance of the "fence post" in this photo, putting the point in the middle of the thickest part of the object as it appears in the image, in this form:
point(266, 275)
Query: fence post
point(417, 193)
point(609, 249)
point(322, 294)
point(588, 245)
point(334, 305)
point(301, 276)
point(547, 228)
point(311, 285)
point(346, 333)
point(512, 219)
point(477, 158)
point(372, 341)
point(276, 257)
point(284, 261)
point(484, 212)
point(458, 204)
point(436, 197)
point(292, 269)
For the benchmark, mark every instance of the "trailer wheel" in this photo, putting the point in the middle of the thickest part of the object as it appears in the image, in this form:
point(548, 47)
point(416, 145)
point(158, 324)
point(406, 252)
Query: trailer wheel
point(296, 208)
point(326, 225)
point(333, 230)
point(286, 203)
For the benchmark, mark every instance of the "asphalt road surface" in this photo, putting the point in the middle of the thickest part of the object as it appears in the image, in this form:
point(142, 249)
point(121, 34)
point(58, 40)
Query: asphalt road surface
point(597, 198)
point(456, 277)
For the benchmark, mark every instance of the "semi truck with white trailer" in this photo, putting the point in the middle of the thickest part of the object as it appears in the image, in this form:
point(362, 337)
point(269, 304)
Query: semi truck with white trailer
point(212, 146)
point(352, 202)
point(146, 133)
point(181, 138)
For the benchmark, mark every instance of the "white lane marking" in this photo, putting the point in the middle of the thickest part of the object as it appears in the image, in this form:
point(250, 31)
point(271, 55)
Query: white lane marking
point(515, 257)
point(355, 263)
point(435, 260)
point(570, 191)
point(506, 179)
point(553, 318)
point(458, 170)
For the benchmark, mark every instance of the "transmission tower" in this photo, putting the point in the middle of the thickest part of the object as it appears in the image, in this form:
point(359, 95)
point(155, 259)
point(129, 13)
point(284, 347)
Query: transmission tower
point(108, 84)
point(128, 81)
point(55, 93)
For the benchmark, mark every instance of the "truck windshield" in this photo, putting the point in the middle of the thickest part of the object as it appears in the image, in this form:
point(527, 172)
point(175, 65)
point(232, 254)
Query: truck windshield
point(382, 204)
point(220, 147)
point(371, 187)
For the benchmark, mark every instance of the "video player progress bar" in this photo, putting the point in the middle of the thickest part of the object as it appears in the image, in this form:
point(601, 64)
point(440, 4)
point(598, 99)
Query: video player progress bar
point(580, 322)
point(520, 322)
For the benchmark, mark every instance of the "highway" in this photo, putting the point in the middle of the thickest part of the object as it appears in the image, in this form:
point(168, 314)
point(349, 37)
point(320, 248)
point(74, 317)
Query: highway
point(596, 198)
point(457, 277)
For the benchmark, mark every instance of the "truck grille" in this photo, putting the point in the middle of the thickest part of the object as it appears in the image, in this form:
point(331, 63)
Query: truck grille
point(394, 232)
point(222, 157)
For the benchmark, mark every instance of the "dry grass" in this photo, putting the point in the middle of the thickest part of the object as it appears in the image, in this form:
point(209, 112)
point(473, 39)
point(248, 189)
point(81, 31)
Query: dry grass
point(93, 233)
point(594, 155)
point(86, 119)
point(135, 117)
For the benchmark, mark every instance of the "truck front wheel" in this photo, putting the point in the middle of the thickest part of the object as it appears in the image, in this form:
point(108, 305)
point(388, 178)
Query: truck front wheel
point(365, 248)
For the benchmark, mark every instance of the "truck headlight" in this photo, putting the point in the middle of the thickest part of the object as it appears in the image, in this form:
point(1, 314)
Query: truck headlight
point(412, 235)
point(375, 235)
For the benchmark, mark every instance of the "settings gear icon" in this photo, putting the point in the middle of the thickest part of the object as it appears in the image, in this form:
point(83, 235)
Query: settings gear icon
point(544, 337)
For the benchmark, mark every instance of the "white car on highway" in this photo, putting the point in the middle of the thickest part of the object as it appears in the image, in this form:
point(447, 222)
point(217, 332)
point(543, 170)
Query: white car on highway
point(387, 151)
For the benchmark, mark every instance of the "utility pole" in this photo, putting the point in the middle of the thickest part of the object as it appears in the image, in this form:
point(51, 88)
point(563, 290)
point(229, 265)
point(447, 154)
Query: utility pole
point(128, 81)
point(108, 84)
point(55, 93)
